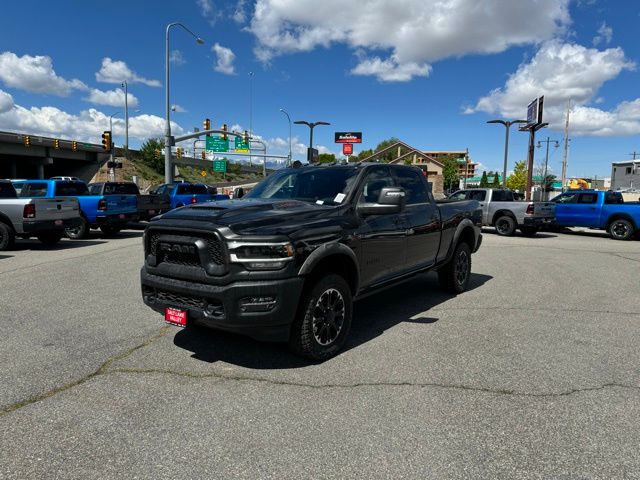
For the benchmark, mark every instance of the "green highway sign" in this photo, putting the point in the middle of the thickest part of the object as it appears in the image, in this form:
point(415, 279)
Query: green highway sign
point(241, 147)
point(216, 144)
point(220, 166)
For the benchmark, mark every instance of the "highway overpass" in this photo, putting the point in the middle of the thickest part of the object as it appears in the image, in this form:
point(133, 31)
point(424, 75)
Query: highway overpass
point(31, 156)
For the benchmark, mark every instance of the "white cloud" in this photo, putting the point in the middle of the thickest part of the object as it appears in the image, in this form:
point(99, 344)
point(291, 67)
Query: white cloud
point(208, 11)
point(112, 98)
point(225, 59)
point(563, 72)
point(390, 71)
point(414, 32)
point(177, 108)
point(605, 34)
point(240, 14)
point(87, 126)
point(116, 71)
point(35, 74)
point(6, 102)
point(176, 58)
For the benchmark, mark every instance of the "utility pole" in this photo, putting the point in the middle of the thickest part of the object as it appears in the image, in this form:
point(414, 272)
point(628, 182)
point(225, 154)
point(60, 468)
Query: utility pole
point(566, 147)
point(126, 120)
point(507, 124)
point(634, 155)
point(250, 113)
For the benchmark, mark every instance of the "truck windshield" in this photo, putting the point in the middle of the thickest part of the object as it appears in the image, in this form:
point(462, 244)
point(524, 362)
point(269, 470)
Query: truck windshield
point(189, 189)
point(325, 185)
point(120, 189)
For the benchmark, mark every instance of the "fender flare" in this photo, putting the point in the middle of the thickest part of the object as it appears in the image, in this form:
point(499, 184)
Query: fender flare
point(325, 250)
point(6, 220)
point(466, 222)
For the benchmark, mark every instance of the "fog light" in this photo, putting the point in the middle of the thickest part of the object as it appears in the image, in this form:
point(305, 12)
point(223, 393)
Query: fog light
point(257, 304)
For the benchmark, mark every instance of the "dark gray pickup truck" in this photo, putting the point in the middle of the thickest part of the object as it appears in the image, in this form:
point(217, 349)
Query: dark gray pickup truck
point(285, 262)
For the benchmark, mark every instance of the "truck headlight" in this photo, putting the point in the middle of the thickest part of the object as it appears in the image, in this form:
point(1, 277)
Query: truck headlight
point(261, 256)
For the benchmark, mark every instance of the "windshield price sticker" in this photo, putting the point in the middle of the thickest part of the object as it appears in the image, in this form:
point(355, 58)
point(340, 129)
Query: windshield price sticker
point(339, 198)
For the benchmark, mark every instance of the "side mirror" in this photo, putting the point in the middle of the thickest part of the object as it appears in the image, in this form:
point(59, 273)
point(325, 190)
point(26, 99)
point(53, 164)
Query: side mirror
point(391, 200)
point(238, 192)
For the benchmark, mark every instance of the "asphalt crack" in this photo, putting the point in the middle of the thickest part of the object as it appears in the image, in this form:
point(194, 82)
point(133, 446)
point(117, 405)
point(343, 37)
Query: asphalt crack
point(101, 370)
point(243, 378)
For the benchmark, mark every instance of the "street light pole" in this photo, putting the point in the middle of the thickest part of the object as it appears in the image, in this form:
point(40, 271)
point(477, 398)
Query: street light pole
point(168, 167)
point(507, 124)
point(126, 119)
point(250, 113)
point(288, 118)
point(311, 126)
point(112, 171)
point(543, 183)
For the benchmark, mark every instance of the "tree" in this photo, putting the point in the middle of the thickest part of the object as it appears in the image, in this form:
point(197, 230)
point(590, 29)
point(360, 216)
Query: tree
point(484, 182)
point(450, 172)
point(326, 158)
point(518, 179)
point(151, 154)
point(496, 181)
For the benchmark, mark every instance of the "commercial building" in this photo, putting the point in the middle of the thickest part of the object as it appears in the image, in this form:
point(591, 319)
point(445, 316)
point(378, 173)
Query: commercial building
point(625, 175)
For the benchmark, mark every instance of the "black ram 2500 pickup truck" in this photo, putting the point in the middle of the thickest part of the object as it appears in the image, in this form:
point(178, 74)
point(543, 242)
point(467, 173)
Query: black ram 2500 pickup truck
point(285, 262)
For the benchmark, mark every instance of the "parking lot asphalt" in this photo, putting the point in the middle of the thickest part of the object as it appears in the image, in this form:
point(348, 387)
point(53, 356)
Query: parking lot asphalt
point(532, 373)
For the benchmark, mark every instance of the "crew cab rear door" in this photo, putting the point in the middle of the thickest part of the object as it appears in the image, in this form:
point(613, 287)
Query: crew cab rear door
point(382, 237)
point(421, 217)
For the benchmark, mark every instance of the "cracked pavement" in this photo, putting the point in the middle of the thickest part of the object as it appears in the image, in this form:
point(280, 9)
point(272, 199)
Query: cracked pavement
point(533, 373)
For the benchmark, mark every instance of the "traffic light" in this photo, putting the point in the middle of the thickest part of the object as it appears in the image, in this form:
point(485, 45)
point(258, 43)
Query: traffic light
point(179, 152)
point(206, 124)
point(203, 155)
point(27, 140)
point(106, 140)
point(157, 153)
point(224, 129)
point(245, 137)
point(74, 145)
point(56, 143)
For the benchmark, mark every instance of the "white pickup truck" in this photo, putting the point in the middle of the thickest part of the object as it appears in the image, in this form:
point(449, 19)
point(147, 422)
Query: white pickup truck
point(44, 218)
point(501, 210)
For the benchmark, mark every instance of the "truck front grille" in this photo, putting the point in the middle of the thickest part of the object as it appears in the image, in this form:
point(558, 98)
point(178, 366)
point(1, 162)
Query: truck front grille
point(188, 249)
point(210, 308)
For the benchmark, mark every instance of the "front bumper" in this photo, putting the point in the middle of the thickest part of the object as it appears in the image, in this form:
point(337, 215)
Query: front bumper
point(220, 307)
point(116, 219)
point(38, 226)
point(538, 221)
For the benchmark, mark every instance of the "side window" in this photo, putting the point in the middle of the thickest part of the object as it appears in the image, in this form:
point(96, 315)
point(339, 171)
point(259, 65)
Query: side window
point(588, 198)
point(94, 189)
point(568, 198)
point(478, 195)
point(377, 179)
point(458, 196)
point(411, 182)
point(612, 198)
point(181, 190)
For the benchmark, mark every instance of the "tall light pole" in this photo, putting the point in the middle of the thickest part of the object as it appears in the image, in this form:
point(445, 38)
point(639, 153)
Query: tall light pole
point(126, 119)
point(543, 183)
point(507, 124)
point(168, 167)
point(250, 113)
point(288, 118)
point(311, 126)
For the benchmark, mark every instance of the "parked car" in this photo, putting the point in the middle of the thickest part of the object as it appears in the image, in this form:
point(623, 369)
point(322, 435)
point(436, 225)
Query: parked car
point(501, 210)
point(181, 194)
point(109, 213)
point(285, 262)
point(149, 205)
point(596, 209)
point(26, 217)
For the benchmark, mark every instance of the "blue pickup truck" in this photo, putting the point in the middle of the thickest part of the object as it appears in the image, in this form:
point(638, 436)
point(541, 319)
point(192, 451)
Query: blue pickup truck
point(181, 194)
point(109, 213)
point(602, 210)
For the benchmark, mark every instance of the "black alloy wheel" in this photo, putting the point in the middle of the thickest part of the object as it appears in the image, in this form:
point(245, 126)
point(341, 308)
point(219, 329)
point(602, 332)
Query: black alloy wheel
point(505, 226)
point(454, 276)
point(621, 229)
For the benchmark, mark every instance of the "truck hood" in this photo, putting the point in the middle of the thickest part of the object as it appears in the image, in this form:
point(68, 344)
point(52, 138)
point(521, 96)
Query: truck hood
point(256, 216)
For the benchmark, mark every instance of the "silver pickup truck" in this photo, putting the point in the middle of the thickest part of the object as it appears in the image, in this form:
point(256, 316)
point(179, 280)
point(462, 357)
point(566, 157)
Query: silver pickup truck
point(44, 218)
point(501, 210)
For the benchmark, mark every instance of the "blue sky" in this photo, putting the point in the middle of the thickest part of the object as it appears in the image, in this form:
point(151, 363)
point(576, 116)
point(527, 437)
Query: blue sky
point(431, 73)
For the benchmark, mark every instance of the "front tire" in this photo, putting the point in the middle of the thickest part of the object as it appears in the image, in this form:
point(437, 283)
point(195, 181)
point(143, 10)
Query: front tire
point(621, 229)
point(78, 232)
point(505, 226)
point(454, 276)
point(7, 237)
point(324, 319)
point(49, 239)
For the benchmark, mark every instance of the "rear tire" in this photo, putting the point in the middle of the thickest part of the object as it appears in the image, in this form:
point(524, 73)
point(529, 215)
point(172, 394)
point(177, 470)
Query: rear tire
point(454, 276)
point(505, 226)
point(621, 229)
point(49, 239)
point(7, 237)
point(529, 231)
point(110, 230)
point(79, 232)
point(323, 320)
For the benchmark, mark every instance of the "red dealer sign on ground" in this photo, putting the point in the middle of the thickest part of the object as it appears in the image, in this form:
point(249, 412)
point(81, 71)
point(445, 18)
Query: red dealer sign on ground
point(347, 149)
